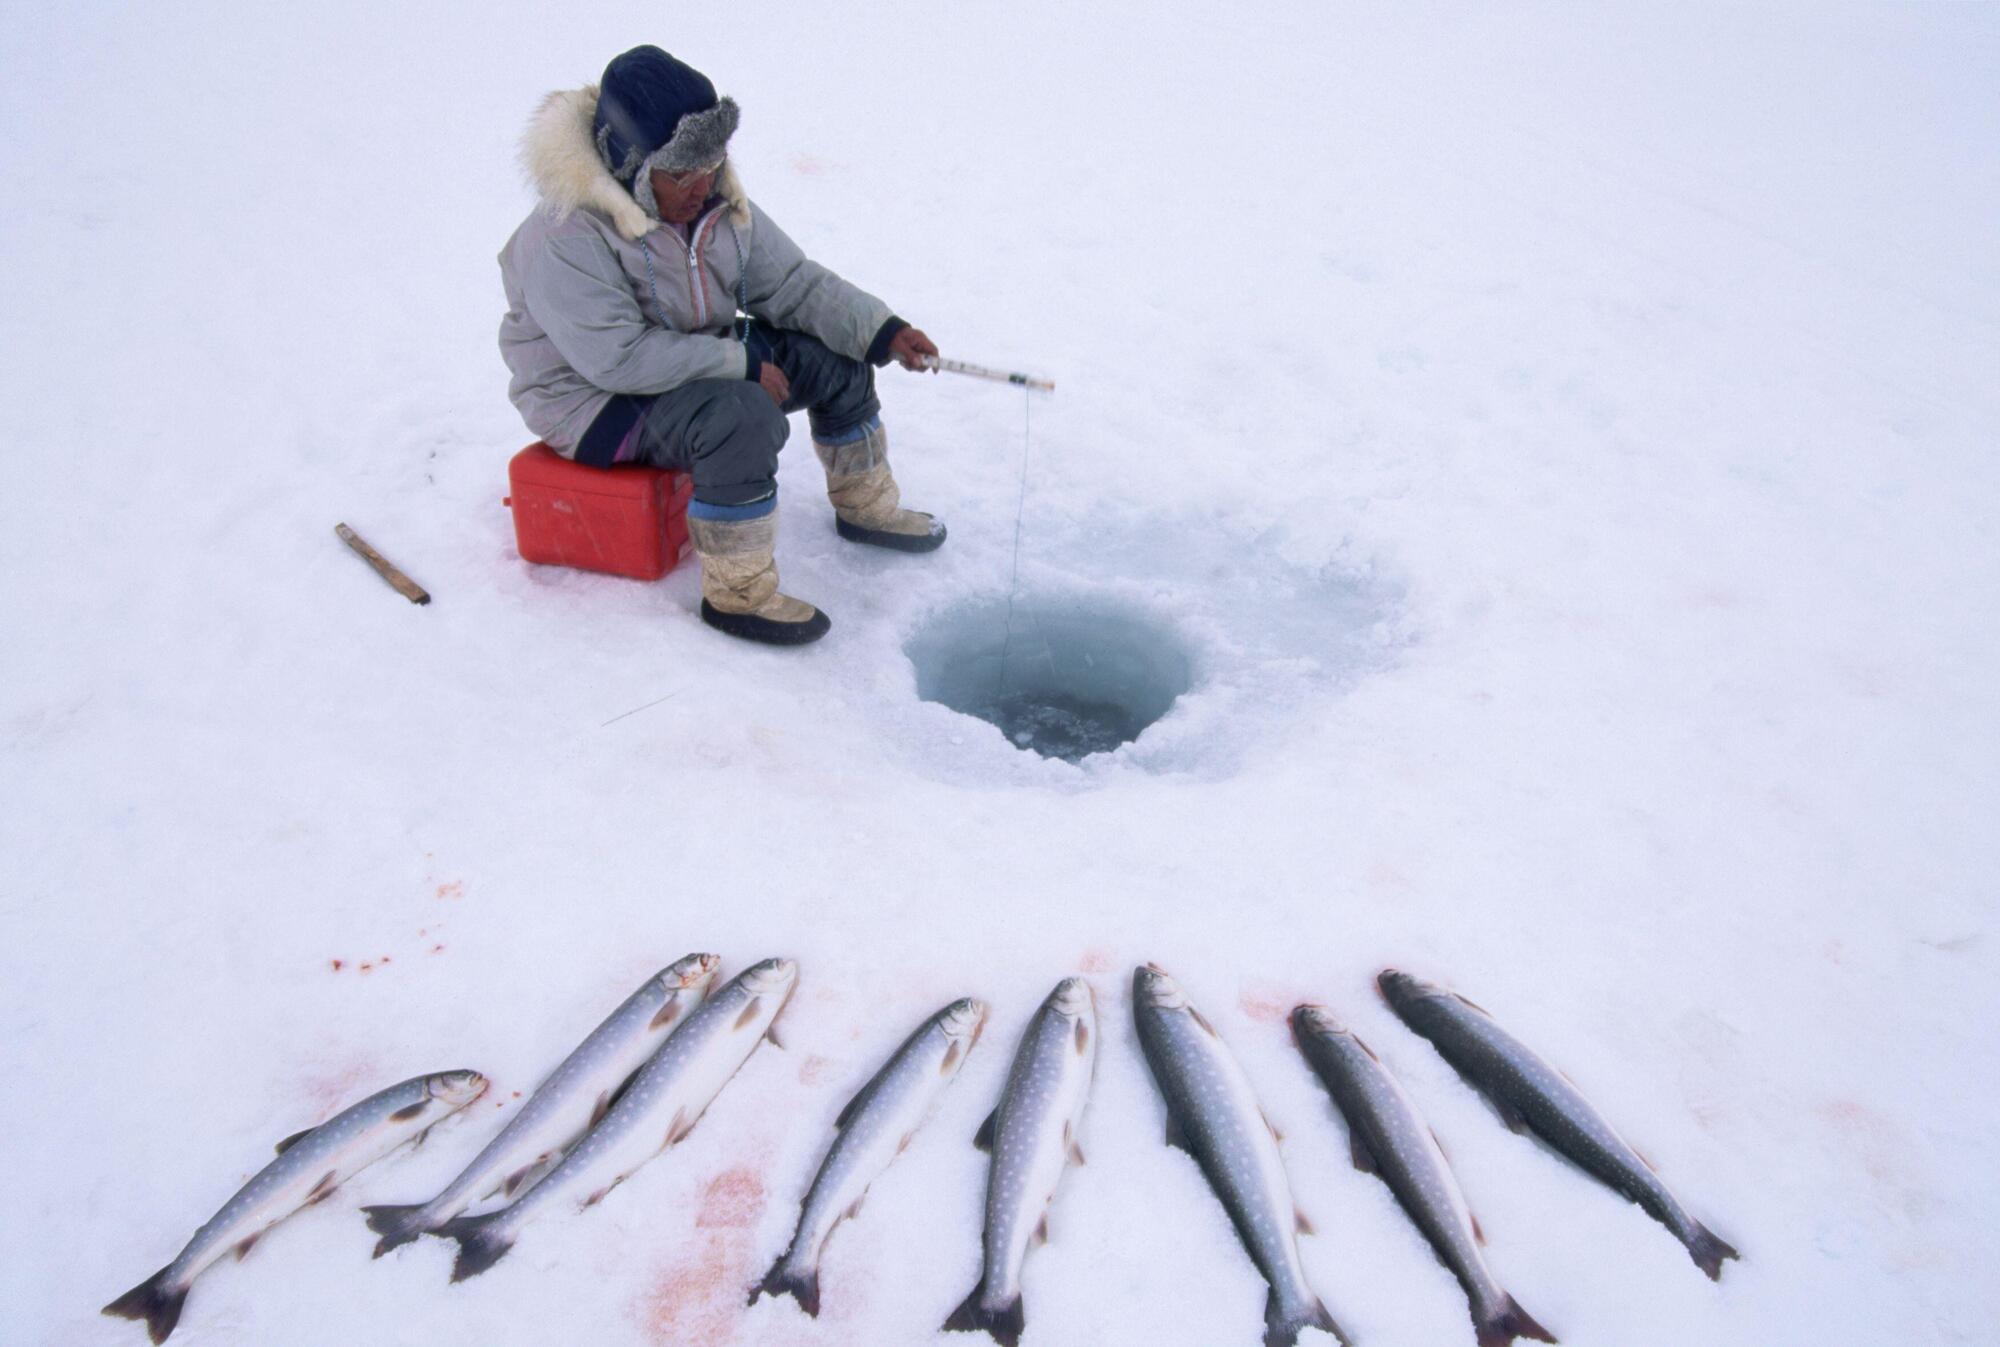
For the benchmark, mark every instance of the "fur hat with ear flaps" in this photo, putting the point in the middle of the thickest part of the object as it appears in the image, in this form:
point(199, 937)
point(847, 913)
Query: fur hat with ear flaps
point(591, 147)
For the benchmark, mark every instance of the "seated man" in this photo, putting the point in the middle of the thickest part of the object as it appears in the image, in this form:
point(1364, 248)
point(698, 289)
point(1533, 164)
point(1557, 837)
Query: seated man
point(623, 334)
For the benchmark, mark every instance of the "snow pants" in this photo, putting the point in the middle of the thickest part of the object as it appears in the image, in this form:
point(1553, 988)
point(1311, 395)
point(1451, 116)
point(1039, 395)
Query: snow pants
point(726, 433)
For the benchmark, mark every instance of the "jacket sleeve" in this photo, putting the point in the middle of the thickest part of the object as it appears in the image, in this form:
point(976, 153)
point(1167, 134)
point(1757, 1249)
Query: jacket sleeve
point(577, 293)
point(787, 289)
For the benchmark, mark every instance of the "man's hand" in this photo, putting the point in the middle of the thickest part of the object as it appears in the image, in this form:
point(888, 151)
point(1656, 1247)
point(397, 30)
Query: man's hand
point(910, 347)
point(773, 381)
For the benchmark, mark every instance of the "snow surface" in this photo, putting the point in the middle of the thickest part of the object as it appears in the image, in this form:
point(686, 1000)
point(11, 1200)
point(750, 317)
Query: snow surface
point(1564, 438)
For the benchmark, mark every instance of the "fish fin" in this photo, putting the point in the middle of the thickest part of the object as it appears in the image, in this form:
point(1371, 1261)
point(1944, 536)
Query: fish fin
point(322, 1190)
point(854, 1207)
point(1708, 1250)
point(1004, 1324)
point(852, 1107)
point(681, 1126)
point(294, 1139)
point(1364, 1159)
point(597, 1197)
point(1644, 1158)
point(155, 1300)
point(1075, 1153)
point(1272, 1127)
point(599, 1109)
point(951, 1056)
point(983, 1138)
point(772, 1035)
point(1478, 1233)
point(1176, 1134)
point(511, 1186)
point(1042, 1230)
point(1305, 1226)
point(1510, 1117)
point(666, 1014)
point(750, 1009)
point(1202, 1020)
point(396, 1225)
point(1438, 1141)
point(244, 1246)
point(800, 1286)
point(904, 1144)
point(1507, 1323)
point(1082, 1038)
point(1474, 1005)
point(1282, 1330)
point(480, 1244)
point(410, 1111)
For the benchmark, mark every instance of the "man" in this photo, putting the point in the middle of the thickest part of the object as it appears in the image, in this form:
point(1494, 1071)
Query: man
point(624, 287)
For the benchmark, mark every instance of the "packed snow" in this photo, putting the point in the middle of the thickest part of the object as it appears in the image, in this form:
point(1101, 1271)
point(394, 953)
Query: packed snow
point(1558, 441)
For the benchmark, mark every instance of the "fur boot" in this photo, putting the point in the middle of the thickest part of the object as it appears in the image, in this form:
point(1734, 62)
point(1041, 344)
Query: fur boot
point(739, 583)
point(867, 504)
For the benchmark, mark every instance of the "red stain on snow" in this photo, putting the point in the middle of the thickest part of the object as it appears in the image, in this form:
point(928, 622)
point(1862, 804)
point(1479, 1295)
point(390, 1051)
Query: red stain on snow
point(813, 1069)
point(1265, 1005)
point(454, 889)
point(733, 1201)
point(338, 964)
point(1097, 959)
point(699, 1297)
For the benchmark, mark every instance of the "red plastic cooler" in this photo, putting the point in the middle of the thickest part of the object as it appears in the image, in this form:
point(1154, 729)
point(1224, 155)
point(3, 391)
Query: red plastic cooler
point(629, 520)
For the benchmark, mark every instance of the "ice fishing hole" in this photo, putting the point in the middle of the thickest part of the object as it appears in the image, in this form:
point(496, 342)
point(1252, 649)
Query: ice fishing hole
point(1061, 676)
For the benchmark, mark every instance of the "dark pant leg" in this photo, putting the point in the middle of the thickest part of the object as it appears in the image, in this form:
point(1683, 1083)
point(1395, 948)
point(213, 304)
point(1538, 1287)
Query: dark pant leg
point(836, 394)
point(725, 433)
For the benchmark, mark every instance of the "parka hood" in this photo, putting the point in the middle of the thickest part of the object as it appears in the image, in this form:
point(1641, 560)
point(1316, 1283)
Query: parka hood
point(559, 155)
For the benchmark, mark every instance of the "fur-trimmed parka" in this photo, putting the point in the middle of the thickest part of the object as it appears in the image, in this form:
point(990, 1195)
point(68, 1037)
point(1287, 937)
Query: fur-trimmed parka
point(607, 306)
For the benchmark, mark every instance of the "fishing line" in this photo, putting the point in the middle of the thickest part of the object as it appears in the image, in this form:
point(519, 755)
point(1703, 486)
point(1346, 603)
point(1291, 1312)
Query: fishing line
point(1014, 579)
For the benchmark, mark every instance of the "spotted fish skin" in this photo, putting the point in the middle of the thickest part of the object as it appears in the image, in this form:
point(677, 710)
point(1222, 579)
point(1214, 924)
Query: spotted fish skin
point(870, 1133)
point(1389, 1138)
point(659, 1107)
point(308, 1168)
point(1531, 1095)
point(1032, 1137)
point(562, 1109)
point(1213, 1114)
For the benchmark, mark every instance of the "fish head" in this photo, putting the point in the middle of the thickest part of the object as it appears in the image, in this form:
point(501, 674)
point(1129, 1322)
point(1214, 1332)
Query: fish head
point(772, 977)
point(963, 1020)
point(692, 971)
point(1154, 987)
point(1314, 1021)
point(1073, 999)
point(1401, 989)
point(456, 1088)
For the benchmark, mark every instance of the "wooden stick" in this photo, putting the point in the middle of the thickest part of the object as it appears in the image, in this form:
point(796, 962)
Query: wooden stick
point(405, 586)
point(981, 372)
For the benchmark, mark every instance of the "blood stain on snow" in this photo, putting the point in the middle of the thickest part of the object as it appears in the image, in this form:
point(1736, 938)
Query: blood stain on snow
point(699, 1297)
point(338, 964)
point(437, 949)
point(1096, 959)
point(368, 968)
point(1265, 1004)
point(337, 1088)
point(733, 1201)
point(454, 889)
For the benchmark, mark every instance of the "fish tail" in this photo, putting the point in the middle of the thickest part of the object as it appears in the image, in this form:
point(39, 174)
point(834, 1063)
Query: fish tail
point(480, 1243)
point(1004, 1324)
point(782, 1280)
point(396, 1225)
point(156, 1300)
point(1708, 1250)
point(1509, 1322)
point(1282, 1329)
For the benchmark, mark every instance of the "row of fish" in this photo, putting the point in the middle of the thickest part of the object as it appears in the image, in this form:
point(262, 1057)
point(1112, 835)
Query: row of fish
point(640, 1081)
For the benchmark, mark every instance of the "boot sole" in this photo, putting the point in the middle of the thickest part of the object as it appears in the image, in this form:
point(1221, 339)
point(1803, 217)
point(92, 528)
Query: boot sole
point(895, 542)
point(750, 627)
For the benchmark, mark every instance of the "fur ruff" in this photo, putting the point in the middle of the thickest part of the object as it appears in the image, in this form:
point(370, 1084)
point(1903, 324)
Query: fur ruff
point(560, 157)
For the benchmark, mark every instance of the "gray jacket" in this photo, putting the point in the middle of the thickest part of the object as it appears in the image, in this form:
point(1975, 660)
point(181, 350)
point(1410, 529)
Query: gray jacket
point(604, 300)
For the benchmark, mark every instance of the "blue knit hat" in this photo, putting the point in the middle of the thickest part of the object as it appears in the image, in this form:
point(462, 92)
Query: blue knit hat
point(656, 112)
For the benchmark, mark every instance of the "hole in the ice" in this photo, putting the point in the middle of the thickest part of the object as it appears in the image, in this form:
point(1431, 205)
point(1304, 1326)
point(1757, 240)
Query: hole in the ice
point(1064, 677)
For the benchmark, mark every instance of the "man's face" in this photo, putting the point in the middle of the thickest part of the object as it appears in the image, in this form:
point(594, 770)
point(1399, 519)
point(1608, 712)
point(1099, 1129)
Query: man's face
point(679, 196)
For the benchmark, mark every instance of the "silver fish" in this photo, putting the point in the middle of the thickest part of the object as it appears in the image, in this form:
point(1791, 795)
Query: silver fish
point(310, 1165)
point(659, 1107)
point(872, 1131)
point(1213, 1115)
point(564, 1106)
point(1531, 1095)
point(1032, 1136)
point(1389, 1138)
